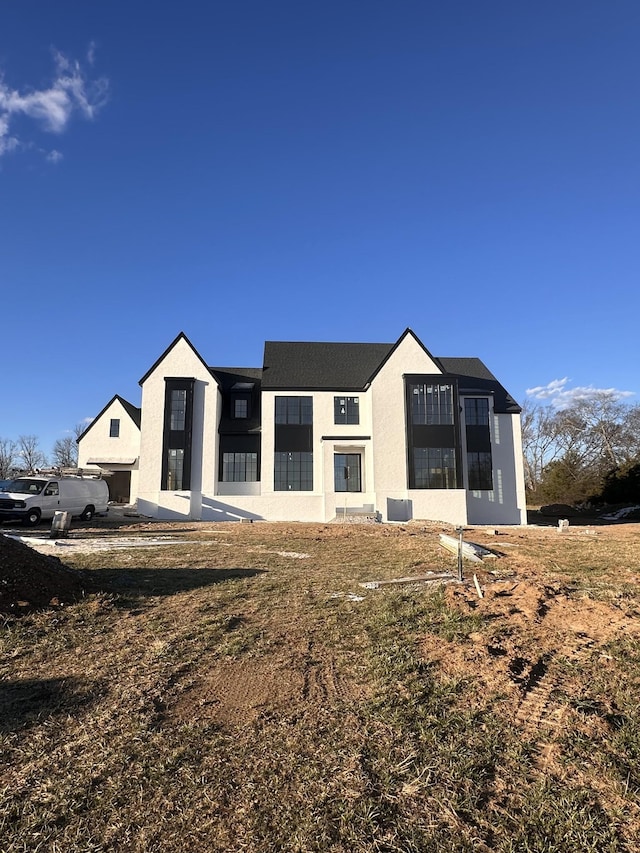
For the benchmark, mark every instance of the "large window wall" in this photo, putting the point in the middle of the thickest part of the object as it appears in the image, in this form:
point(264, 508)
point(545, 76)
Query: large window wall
point(293, 452)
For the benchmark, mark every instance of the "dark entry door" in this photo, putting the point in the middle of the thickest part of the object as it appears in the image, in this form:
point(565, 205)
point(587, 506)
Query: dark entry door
point(347, 473)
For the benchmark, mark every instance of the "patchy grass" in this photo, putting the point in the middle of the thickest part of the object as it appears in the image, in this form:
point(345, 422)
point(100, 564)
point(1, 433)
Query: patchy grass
point(231, 695)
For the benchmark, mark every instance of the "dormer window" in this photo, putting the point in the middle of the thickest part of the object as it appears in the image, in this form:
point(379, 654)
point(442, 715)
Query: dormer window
point(241, 407)
point(241, 400)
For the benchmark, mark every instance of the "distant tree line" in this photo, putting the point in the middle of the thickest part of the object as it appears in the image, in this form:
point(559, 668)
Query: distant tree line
point(586, 452)
point(25, 454)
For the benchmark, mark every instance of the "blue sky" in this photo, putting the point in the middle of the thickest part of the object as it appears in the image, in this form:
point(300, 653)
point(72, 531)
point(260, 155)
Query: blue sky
point(251, 170)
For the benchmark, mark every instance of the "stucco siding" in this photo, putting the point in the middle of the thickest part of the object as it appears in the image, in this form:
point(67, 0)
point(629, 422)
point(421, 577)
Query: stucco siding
point(179, 362)
point(97, 444)
point(389, 416)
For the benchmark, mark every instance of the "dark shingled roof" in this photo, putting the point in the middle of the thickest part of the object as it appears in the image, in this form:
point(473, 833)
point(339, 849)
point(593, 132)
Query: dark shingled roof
point(227, 378)
point(328, 366)
point(473, 376)
point(314, 366)
point(133, 411)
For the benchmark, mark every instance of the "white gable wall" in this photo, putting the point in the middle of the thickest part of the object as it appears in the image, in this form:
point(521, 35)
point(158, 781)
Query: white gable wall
point(180, 362)
point(98, 444)
point(390, 440)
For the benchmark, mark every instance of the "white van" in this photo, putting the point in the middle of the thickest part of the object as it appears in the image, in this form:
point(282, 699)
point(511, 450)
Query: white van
point(35, 498)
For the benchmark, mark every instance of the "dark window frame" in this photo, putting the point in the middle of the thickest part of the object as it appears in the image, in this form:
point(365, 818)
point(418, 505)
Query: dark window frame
point(346, 410)
point(477, 413)
point(435, 468)
point(237, 402)
point(432, 424)
point(432, 403)
point(293, 471)
point(178, 412)
point(480, 471)
point(114, 428)
point(237, 463)
point(292, 410)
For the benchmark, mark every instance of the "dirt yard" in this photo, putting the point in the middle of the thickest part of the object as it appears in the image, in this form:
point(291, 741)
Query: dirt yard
point(320, 710)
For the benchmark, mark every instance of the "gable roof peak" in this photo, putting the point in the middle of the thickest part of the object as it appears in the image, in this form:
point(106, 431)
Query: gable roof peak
point(179, 337)
point(407, 333)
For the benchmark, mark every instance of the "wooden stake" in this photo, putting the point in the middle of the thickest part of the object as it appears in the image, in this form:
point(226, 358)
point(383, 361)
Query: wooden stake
point(480, 592)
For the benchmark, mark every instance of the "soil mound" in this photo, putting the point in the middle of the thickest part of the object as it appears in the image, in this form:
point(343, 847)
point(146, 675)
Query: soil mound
point(31, 581)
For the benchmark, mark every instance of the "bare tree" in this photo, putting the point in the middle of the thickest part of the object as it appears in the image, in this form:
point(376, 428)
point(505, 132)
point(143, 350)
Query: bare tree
point(65, 452)
point(29, 453)
point(593, 431)
point(8, 450)
point(631, 432)
point(572, 450)
point(539, 442)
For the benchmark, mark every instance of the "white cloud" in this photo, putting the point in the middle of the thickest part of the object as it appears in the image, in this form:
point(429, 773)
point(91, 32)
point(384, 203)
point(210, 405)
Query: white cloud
point(54, 156)
point(561, 396)
point(70, 92)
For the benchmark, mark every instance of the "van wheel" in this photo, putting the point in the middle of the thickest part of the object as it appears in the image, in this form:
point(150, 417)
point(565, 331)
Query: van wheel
point(31, 518)
point(87, 515)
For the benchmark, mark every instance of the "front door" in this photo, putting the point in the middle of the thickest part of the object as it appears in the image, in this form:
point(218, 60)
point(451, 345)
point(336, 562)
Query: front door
point(347, 472)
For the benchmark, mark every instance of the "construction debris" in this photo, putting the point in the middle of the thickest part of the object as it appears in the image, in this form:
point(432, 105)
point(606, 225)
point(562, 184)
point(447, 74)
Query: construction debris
point(430, 576)
point(470, 550)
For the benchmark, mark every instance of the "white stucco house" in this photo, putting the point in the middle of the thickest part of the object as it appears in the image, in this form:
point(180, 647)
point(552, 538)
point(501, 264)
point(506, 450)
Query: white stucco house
point(319, 430)
point(111, 443)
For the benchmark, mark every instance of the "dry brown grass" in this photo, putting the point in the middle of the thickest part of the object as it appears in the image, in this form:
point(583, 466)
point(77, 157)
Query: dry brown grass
point(228, 694)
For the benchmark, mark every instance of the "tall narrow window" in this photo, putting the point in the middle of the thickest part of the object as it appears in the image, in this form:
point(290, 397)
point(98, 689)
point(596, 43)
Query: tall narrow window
point(178, 415)
point(175, 468)
point(178, 409)
point(114, 428)
point(293, 452)
point(479, 460)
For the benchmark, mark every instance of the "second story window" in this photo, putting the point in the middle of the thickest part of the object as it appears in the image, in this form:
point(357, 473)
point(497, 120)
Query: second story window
point(346, 410)
point(240, 407)
point(178, 409)
point(178, 417)
point(476, 411)
point(294, 410)
point(114, 428)
point(431, 404)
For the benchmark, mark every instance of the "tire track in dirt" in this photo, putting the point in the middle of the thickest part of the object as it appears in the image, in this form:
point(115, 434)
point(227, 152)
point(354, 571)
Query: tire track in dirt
point(290, 673)
point(322, 683)
point(536, 707)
